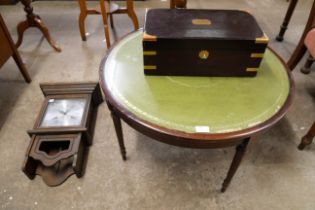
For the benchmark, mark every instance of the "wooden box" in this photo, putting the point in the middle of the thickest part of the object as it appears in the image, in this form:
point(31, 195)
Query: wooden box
point(193, 42)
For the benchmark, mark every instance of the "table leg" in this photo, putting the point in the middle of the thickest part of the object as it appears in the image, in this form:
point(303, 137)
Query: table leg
point(33, 20)
point(240, 151)
point(119, 133)
point(286, 20)
point(301, 49)
point(308, 138)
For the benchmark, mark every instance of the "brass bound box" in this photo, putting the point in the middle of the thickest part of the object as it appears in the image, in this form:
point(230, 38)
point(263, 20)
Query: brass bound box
point(193, 42)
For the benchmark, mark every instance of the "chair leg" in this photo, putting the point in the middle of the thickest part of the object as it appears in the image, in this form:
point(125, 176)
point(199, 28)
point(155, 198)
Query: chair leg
point(82, 16)
point(301, 49)
point(308, 138)
point(111, 20)
point(286, 20)
point(132, 14)
point(306, 68)
point(105, 22)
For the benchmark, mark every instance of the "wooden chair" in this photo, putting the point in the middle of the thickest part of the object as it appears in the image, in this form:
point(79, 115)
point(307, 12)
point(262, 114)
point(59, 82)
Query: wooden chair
point(310, 45)
point(300, 50)
point(8, 49)
point(108, 8)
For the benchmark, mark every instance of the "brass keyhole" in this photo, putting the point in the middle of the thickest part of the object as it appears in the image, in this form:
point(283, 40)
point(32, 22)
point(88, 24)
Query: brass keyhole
point(203, 54)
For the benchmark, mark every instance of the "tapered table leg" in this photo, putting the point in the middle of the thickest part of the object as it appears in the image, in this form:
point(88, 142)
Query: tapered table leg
point(286, 20)
point(308, 138)
point(33, 20)
point(119, 133)
point(240, 151)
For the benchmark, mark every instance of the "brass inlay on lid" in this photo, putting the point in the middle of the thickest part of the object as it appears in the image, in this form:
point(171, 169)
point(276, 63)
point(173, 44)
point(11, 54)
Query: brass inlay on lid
point(257, 55)
point(201, 22)
point(149, 67)
point(149, 52)
point(204, 54)
point(252, 69)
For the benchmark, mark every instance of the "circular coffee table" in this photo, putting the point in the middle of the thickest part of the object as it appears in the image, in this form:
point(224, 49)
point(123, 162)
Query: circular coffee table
point(194, 112)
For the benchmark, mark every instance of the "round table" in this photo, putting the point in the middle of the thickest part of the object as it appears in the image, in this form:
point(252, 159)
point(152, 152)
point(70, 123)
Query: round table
point(194, 112)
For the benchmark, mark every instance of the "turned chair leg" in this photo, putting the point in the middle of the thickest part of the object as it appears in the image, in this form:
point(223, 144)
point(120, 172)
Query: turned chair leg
point(82, 16)
point(131, 13)
point(286, 20)
point(306, 68)
point(301, 49)
point(105, 23)
point(111, 20)
point(308, 138)
point(84, 12)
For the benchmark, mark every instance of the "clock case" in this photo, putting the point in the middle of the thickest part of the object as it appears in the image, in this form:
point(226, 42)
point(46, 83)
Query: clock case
point(56, 153)
point(55, 157)
point(89, 91)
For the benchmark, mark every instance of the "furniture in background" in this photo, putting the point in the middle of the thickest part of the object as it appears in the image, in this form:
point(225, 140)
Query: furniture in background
point(33, 20)
point(310, 45)
point(8, 2)
point(108, 8)
point(308, 138)
point(8, 49)
point(300, 50)
point(178, 4)
point(193, 112)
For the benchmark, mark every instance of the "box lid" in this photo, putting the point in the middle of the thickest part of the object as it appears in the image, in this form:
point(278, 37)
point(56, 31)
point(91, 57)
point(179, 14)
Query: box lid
point(201, 24)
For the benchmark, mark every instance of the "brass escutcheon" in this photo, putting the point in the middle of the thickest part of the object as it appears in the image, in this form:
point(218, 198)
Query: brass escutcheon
point(203, 54)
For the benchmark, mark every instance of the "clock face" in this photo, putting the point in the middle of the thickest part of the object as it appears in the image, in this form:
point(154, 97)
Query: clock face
point(63, 112)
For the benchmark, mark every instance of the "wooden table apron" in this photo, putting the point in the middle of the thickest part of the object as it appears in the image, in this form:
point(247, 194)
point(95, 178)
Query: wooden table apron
point(186, 139)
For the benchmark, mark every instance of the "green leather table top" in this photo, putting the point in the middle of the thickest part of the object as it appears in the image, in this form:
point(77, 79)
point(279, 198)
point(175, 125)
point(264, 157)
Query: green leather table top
point(194, 104)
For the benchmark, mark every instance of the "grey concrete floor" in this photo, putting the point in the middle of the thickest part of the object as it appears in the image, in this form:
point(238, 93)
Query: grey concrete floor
point(273, 175)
